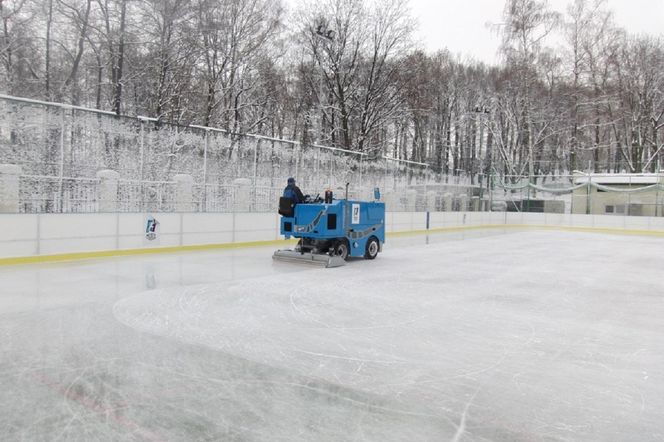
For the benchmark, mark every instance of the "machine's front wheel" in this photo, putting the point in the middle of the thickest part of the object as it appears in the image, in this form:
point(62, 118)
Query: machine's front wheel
point(341, 249)
point(372, 248)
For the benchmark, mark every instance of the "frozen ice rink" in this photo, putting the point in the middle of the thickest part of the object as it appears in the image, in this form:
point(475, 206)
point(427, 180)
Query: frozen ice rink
point(497, 335)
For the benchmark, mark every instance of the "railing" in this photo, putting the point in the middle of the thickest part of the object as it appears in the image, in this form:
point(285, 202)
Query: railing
point(146, 196)
point(214, 198)
point(45, 194)
point(618, 195)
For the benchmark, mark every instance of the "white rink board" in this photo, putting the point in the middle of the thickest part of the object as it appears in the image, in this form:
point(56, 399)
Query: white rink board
point(32, 235)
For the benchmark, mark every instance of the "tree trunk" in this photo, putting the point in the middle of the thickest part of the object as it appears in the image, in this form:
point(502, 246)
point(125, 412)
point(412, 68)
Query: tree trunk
point(73, 74)
point(117, 96)
point(6, 42)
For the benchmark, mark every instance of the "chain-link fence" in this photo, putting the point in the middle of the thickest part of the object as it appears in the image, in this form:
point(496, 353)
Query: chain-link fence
point(60, 154)
point(62, 150)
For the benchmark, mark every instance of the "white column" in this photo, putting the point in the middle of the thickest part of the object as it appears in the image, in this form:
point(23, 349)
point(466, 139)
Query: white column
point(463, 203)
point(411, 200)
point(390, 200)
point(448, 202)
point(242, 202)
point(367, 194)
point(184, 196)
point(475, 204)
point(107, 190)
point(9, 188)
point(431, 201)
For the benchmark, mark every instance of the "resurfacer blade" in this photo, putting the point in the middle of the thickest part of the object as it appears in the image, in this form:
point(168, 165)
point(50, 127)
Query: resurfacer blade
point(309, 258)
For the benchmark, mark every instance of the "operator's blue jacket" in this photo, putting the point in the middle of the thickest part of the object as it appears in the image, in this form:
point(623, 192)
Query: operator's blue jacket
point(293, 192)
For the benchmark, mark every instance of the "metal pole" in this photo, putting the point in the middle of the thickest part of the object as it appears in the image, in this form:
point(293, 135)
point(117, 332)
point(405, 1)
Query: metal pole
point(490, 190)
point(480, 182)
point(255, 173)
point(361, 157)
point(205, 154)
point(386, 172)
point(317, 168)
point(528, 205)
point(297, 159)
point(657, 195)
point(141, 162)
point(629, 198)
point(426, 196)
point(588, 193)
point(571, 203)
point(659, 183)
point(62, 161)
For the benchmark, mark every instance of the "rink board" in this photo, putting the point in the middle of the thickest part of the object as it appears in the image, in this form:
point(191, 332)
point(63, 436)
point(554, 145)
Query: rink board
point(74, 236)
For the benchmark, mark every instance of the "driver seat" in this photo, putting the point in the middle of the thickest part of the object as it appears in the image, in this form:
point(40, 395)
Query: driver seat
point(286, 207)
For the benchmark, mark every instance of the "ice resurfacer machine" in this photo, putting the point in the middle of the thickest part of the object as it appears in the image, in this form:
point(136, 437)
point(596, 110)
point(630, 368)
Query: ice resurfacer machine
point(331, 230)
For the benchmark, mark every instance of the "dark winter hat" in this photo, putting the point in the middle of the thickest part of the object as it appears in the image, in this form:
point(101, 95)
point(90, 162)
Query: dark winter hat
point(291, 180)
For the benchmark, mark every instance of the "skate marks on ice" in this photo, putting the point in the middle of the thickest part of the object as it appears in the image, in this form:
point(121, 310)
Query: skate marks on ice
point(480, 338)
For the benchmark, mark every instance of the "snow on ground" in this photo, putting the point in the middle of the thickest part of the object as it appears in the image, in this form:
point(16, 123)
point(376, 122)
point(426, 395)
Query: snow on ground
point(526, 335)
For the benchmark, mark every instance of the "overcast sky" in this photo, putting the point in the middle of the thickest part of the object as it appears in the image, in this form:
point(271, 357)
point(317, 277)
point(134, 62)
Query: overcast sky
point(461, 25)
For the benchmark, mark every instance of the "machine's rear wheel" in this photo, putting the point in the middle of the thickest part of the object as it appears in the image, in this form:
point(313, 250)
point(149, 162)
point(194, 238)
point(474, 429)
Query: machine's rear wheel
point(372, 248)
point(341, 249)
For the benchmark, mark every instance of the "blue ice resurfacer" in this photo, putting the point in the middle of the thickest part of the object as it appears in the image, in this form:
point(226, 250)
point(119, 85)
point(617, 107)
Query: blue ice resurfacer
point(331, 230)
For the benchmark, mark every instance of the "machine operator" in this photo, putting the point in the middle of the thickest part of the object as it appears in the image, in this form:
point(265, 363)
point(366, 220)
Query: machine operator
point(293, 192)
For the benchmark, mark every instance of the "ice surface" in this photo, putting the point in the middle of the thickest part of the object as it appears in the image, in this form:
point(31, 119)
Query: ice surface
point(511, 337)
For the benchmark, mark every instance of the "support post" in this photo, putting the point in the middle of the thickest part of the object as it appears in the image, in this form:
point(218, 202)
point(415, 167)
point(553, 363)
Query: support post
point(316, 169)
point(361, 157)
point(205, 155)
point(10, 188)
point(385, 179)
point(141, 161)
point(629, 198)
point(659, 183)
point(296, 152)
point(61, 173)
point(588, 194)
point(255, 173)
point(490, 190)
